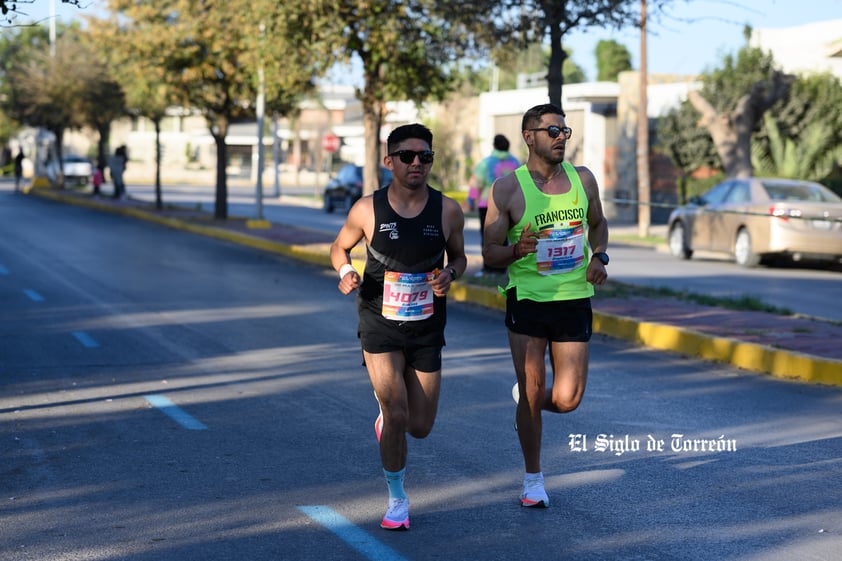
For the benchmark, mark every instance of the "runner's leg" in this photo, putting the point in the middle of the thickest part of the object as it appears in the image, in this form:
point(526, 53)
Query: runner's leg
point(528, 355)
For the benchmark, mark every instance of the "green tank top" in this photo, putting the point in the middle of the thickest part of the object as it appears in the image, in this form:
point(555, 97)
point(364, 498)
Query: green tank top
point(558, 270)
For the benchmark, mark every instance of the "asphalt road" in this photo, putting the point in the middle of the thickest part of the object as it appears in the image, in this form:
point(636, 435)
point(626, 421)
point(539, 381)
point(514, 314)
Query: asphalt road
point(164, 396)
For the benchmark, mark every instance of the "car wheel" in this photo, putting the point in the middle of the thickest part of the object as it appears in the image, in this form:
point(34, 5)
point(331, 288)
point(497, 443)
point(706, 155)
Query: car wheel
point(743, 251)
point(678, 242)
point(328, 206)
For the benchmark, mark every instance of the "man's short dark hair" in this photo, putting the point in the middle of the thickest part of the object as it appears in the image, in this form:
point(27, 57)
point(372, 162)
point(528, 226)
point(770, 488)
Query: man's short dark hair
point(533, 116)
point(404, 132)
point(501, 143)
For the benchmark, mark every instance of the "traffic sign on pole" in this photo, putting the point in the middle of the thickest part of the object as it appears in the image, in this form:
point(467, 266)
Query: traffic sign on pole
point(330, 142)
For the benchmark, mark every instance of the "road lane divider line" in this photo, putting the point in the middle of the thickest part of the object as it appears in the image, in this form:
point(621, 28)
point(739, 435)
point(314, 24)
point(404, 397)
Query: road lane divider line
point(354, 536)
point(174, 412)
point(32, 295)
point(86, 340)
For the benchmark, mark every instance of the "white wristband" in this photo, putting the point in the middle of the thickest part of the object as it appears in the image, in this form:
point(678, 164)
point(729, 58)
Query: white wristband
point(345, 269)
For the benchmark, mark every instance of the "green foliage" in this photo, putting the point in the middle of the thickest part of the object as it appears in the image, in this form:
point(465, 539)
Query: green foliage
point(689, 146)
point(408, 51)
point(807, 125)
point(68, 90)
point(799, 136)
point(724, 86)
point(209, 56)
point(812, 156)
point(535, 59)
point(611, 59)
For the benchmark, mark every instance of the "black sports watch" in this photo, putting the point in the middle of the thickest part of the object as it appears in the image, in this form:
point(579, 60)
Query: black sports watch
point(452, 270)
point(602, 256)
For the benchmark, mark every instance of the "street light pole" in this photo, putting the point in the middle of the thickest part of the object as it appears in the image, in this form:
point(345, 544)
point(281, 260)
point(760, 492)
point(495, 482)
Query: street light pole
point(261, 103)
point(52, 28)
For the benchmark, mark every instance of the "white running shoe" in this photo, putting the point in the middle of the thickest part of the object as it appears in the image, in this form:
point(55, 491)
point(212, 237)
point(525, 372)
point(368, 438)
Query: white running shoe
point(397, 516)
point(534, 494)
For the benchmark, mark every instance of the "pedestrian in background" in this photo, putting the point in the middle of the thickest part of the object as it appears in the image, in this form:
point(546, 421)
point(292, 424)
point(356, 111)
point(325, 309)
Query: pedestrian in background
point(18, 169)
point(414, 239)
point(551, 215)
point(118, 168)
point(499, 164)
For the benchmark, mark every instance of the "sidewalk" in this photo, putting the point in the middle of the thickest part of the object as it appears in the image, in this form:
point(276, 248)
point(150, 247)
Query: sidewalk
point(783, 346)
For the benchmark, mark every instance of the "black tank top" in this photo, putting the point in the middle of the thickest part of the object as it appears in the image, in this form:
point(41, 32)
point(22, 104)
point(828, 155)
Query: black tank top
point(406, 245)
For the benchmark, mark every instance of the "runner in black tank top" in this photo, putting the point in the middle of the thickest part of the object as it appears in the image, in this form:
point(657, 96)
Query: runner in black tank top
point(415, 250)
point(405, 245)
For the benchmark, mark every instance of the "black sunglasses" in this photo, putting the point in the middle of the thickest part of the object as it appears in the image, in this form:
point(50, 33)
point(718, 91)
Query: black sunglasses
point(553, 131)
point(408, 156)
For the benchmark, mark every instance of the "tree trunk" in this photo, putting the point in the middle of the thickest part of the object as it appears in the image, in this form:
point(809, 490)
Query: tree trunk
point(221, 202)
point(59, 132)
point(101, 150)
point(555, 76)
point(159, 203)
point(372, 121)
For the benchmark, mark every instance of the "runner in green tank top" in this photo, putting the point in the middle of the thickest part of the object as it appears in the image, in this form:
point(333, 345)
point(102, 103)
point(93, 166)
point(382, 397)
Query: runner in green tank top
point(550, 213)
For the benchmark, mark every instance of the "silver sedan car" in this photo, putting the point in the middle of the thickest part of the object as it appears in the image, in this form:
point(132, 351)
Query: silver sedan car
point(760, 219)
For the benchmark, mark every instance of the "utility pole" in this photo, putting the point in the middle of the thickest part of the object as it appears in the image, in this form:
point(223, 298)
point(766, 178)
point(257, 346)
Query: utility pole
point(644, 216)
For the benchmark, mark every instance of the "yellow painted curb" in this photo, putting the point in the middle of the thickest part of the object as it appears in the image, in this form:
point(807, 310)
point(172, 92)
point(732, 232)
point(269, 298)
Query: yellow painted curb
point(258, 224)
point(749, 356)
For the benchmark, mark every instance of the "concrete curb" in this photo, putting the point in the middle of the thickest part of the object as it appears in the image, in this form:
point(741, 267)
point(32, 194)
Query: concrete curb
point(748, 356)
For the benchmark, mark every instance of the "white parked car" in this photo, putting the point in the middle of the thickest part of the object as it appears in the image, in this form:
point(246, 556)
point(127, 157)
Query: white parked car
point(76, 169)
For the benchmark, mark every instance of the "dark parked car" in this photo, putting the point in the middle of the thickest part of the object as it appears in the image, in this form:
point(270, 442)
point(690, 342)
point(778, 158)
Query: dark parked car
point(346, 188)
point(758, 219)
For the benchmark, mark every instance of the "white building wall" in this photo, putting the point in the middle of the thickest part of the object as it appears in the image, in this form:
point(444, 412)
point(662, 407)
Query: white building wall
point(809, 48)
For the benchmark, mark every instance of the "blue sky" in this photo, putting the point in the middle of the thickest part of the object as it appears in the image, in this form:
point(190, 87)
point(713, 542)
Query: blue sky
point(691, 38)
point(696, 33)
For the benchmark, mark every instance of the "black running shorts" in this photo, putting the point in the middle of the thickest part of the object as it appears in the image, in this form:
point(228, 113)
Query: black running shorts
point(419, 341)
point(559, 321)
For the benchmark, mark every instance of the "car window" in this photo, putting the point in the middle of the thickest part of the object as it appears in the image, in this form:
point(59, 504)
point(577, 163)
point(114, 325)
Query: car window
point(799, 192)
point(739, 193)
point(718, 194)
point(350, 174)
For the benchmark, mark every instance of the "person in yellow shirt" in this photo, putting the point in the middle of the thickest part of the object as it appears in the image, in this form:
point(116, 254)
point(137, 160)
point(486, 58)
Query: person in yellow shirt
point(549, 212)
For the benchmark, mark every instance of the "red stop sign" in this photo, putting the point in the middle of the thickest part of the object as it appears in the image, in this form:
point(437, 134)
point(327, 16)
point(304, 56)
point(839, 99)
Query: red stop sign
point(330, 142)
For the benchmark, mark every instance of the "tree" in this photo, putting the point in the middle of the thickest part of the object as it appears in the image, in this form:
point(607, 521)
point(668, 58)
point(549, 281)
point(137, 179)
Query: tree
point(557, 17)
point(55, 92)
point(408, 51)
point(211, 52)
point(689, 147)
point(807, 125)
point(136, 60)
point(611, 59)
point(15, 46)
point(809, 157)
point(732, 102)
